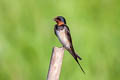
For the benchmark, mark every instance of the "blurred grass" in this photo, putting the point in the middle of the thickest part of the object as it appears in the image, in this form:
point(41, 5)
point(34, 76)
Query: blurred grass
point(27, 38)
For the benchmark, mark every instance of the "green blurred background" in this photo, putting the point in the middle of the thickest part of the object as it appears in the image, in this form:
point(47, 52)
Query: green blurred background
point(27, 38)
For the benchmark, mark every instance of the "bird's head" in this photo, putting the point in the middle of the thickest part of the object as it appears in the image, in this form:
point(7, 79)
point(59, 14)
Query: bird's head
point(60, 20)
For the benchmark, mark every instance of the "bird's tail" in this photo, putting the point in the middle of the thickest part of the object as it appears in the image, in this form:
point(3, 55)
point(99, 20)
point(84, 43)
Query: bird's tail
point(76, 57)
point(79, 63)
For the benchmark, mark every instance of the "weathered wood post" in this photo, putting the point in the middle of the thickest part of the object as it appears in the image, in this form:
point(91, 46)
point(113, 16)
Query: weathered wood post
point(55, 63)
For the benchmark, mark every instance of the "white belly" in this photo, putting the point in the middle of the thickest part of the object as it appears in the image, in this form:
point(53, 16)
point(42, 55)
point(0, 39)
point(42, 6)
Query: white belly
point(63, 38)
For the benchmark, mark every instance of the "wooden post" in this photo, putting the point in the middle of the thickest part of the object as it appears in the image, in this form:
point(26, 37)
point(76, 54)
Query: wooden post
point(55, 63)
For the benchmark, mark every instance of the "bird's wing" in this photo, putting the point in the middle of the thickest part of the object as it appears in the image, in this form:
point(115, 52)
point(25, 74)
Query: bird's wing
point(68, 35)
point(72, 49)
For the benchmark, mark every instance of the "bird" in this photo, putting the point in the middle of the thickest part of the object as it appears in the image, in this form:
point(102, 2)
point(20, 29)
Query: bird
point(62, 31)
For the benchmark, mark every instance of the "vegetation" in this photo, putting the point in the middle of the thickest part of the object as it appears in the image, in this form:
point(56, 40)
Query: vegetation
point(27, 38)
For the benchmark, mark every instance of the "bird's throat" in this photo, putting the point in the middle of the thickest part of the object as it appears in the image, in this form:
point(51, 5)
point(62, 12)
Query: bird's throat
point(59, 23)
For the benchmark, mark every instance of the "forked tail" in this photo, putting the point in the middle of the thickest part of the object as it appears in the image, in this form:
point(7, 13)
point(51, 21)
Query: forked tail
point(79, 65)
point(76, 57)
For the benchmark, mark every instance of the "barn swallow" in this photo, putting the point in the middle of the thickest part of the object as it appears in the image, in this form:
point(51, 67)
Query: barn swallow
point(63, 33)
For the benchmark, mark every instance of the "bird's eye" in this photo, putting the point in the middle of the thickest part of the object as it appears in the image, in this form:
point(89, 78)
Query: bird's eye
point(58, 19)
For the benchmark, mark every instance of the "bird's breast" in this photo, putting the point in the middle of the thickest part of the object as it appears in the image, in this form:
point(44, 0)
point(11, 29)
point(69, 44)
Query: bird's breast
point(63, 38)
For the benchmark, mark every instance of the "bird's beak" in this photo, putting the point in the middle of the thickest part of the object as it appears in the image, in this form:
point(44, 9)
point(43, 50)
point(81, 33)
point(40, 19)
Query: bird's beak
point(54, 19)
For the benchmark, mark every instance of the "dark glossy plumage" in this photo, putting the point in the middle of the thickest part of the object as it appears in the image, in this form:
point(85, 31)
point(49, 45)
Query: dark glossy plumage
point(63, 33)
